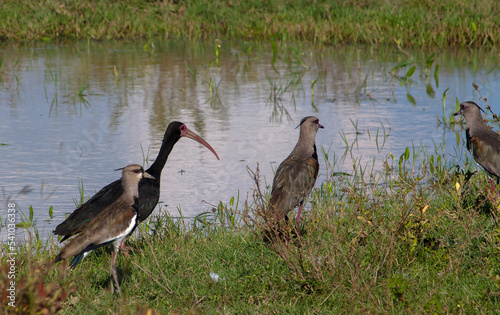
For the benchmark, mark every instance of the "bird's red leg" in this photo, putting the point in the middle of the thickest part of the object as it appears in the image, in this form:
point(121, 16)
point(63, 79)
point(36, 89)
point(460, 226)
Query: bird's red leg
point(127, 249)
point(298, 218)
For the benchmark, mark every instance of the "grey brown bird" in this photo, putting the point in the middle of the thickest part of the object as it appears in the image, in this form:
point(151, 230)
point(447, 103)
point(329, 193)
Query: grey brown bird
point(111, 226)
point(149, 188)
point(482, 142)
point(296, 175)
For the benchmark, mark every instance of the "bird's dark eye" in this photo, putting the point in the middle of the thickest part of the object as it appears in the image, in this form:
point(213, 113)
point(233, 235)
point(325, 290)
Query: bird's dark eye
point(316, 121)
point(462, 106)
point(182, 127)
point(137, 171)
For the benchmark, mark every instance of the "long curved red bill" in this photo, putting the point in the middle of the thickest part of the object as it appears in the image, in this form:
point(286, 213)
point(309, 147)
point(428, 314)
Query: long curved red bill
point(189, 134)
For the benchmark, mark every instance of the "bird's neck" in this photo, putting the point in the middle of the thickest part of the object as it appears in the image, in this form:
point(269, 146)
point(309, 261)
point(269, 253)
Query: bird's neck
point(130, 192)
point(306, 146)
point(476, 125)
point(157, 166)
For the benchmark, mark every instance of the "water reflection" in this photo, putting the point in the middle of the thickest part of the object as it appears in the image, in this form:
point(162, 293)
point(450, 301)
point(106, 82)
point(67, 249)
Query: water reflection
point(79, 111)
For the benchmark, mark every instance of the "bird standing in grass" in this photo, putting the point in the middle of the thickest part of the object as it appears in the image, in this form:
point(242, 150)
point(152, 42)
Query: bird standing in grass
point(149, 188)
point(296, 175)
point(110, 226)
point(482, 142)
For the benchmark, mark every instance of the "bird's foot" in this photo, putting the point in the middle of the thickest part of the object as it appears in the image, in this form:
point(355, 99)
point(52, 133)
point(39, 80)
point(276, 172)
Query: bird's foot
point(126, 250)
point(112, 287)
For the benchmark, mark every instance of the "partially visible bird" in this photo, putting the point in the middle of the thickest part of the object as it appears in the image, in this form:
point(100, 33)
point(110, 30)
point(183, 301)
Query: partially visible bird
point(482, 142)
point(149, 188)
point(296, 175)
point(110, 226)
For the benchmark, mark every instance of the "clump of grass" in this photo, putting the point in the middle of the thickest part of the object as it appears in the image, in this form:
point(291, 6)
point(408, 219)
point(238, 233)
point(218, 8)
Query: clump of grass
point(34, 293)
point(402, 23)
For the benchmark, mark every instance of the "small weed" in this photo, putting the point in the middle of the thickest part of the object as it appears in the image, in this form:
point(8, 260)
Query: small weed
point(214, 98)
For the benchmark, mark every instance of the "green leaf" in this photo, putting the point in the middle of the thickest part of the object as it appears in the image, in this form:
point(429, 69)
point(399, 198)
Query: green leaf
point(430, 91)
point(313, 83)
point(24, 225)
point(31, 213)
point(411, 99)
point(473, 25)
point(436, 75)
point(430, 60)
point(51, 212)
point(452, 118)
point(340, 173)
point(410, 72)
point(444, 93)
point(402, 64)
point(407, 153)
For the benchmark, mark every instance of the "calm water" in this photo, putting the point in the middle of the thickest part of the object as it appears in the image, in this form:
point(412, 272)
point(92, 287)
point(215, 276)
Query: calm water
point(76, 112)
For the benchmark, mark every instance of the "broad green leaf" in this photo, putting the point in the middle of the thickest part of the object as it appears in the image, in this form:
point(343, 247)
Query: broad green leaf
point(411, 99)
point(24, 225)
point(411, 71)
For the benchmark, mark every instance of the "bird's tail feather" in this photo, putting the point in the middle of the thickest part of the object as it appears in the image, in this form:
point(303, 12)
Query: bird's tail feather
point(76, 260)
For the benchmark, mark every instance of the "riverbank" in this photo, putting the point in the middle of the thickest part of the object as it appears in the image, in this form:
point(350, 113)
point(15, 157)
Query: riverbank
point(404, 23)
point(419, 237)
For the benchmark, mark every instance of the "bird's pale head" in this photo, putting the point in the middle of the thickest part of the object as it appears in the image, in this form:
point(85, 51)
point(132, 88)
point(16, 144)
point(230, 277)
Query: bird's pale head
point(133, 173)
point(469, 110)
point(310, 124)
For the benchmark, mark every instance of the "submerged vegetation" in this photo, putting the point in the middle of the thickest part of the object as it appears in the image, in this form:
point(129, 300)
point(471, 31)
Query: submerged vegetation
point(418, 236)
point(405, 23)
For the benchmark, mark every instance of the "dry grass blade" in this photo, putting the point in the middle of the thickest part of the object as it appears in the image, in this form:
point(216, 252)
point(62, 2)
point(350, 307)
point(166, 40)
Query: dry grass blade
point(167, 288)
point(282, 237)
point(153, 278)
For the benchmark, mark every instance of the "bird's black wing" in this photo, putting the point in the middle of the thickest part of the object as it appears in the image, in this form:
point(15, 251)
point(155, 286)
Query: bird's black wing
point(77, 221)
point(149, 194)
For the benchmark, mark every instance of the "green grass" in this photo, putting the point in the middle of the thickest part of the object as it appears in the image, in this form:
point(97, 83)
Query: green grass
point(415, 237)
point(404, 23)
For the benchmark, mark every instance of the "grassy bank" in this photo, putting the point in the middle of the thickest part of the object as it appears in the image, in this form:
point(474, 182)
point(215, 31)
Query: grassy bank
point(405, 23)
point(417, 237)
